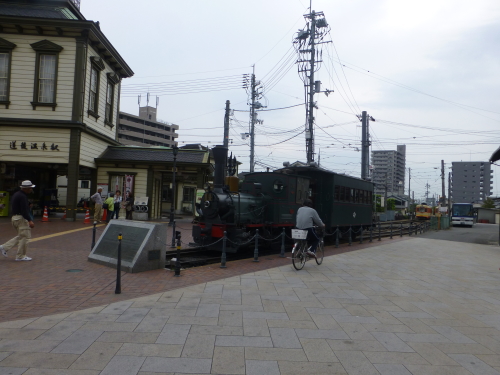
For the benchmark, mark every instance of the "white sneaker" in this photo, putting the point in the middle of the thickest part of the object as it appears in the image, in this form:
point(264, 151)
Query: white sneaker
point(311, 254)
point(4, 253)
point(25, 258)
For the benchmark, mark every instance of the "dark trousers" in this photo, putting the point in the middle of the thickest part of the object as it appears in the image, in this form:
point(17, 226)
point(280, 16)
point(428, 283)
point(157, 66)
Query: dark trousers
point(129, 215)
point(116, 212)
point(109, 215)
point(312, 239)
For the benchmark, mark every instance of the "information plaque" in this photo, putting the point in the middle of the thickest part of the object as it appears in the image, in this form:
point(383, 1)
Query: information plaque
point(142, 246)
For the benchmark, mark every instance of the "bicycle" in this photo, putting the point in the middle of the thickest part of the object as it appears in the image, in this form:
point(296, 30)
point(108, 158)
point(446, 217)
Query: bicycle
point(299, 251)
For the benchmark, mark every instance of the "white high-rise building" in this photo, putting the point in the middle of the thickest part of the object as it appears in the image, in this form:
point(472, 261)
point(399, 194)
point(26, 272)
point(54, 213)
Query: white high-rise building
point(388, 170)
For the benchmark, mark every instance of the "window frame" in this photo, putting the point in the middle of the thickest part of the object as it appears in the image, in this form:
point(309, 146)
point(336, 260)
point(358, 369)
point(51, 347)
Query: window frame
point(97, 65)
point(45, 47)
point(188, 188)
point(112, 81)
point(7, 47)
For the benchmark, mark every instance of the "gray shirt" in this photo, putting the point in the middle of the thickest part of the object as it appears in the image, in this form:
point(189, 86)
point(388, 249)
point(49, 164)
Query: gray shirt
point(97, 198)
point(307, 217)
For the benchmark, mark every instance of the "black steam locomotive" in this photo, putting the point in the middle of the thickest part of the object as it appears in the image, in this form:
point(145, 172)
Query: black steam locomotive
point(268, 201)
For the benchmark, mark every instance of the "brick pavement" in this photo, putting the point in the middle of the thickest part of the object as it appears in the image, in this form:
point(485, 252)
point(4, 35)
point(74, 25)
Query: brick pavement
point(419, 306)
point(43, 286)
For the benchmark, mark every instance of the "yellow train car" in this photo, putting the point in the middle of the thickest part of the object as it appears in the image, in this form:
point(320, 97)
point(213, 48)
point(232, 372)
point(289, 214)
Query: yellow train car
point(423, 212)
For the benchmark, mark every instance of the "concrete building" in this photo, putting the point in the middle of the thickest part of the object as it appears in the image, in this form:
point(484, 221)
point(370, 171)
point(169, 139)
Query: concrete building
point(60, 81)
point(145, 130)
point(388, 171)
point(471, 181)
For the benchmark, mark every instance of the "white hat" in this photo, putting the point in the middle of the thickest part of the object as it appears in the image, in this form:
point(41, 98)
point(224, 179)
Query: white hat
point(27, 184)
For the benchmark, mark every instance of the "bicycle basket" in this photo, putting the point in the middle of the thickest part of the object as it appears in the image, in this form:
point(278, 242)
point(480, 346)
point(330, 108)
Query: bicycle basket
point(299, 234)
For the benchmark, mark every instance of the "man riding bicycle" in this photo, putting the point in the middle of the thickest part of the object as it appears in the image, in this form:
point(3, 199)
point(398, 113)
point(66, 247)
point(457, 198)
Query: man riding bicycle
point(306, 218)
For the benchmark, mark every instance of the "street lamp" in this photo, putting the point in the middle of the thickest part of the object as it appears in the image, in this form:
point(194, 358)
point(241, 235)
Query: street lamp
point(175, 150)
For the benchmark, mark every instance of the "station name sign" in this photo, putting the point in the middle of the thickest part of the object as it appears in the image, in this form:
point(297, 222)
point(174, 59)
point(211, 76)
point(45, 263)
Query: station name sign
point(34, 146)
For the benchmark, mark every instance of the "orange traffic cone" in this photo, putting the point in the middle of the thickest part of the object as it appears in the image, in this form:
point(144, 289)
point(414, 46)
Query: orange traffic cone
point(87, 217)
point(104, 215)
point(64, 216)
point(45, 218)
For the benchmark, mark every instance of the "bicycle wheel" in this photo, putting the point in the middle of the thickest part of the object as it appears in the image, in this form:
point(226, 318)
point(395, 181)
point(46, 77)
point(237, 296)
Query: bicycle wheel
point(320, 252)
point(299, 255)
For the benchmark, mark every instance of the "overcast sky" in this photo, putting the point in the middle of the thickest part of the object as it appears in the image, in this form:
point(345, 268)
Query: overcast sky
point(427, 71)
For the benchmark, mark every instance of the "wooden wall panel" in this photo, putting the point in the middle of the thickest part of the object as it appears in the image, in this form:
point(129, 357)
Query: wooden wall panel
point(23, 79)
point(59, 137)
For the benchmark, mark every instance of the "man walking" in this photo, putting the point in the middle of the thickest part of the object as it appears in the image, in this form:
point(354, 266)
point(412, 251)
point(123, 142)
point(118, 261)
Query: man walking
point(21, 220)
point(97, 198)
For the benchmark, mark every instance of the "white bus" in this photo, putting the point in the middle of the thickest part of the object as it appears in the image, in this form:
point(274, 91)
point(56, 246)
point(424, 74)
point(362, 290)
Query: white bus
point(463, 214)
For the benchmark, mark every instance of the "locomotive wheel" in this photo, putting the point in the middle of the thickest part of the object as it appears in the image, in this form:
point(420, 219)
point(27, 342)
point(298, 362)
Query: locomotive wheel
point(299, 255)
point(320, 252)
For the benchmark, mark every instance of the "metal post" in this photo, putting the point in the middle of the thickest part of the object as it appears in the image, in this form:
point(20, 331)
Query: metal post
point(175, 150)
point(350, 237)
point(256, 251)
point(337, 237)
point(401, 230)
point(223, 257)
point(371, 232)
point(173, 235)
point(379, 238)
point(93, 235)
point(118, 288)
point(409, 230)
point(282, 254)
point(416, 229)
point(361, 235)
point(391, 231)
point(178, 256)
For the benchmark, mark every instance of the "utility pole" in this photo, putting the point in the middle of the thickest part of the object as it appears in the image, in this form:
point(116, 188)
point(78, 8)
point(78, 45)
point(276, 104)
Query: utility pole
point(310, 114)
point(365, 144)
point(443, 196)
point(409, 184)
point(385, 194)
point(307, 44)
point(254, 95)
point(226, 125)
point(252, 122)
point(449, 193)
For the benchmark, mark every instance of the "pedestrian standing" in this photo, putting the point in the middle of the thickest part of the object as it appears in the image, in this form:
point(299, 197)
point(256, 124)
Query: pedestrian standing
point(97, 198)
point(109, 205)
point(118, 203)
point(129, 206)
point(21, 221)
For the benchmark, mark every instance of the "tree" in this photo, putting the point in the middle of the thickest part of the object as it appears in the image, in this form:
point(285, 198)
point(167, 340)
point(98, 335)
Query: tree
point(391, 204)
point(488, 203)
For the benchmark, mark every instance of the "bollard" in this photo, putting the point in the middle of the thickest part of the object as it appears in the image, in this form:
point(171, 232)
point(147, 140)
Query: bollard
point(350, 238)
point(409, 230)
point(223, 257)
point(173, 235)
point(391, 231)
point(421, 228)
point(416, 229)
point(256, 251)
point(337, 237)
point(361, 235)
point(282, 254)
point(371, 232)
point(401, 230)
point(379, 238)
point(93, 235)
point(178, 259)
point(118, 288)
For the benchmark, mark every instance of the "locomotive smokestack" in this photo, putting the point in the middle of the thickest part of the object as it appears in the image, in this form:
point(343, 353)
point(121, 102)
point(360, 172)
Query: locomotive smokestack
point(220, 158)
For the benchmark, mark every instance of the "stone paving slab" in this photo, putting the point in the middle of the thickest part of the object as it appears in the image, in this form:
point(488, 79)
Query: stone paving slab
point(410, 307)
